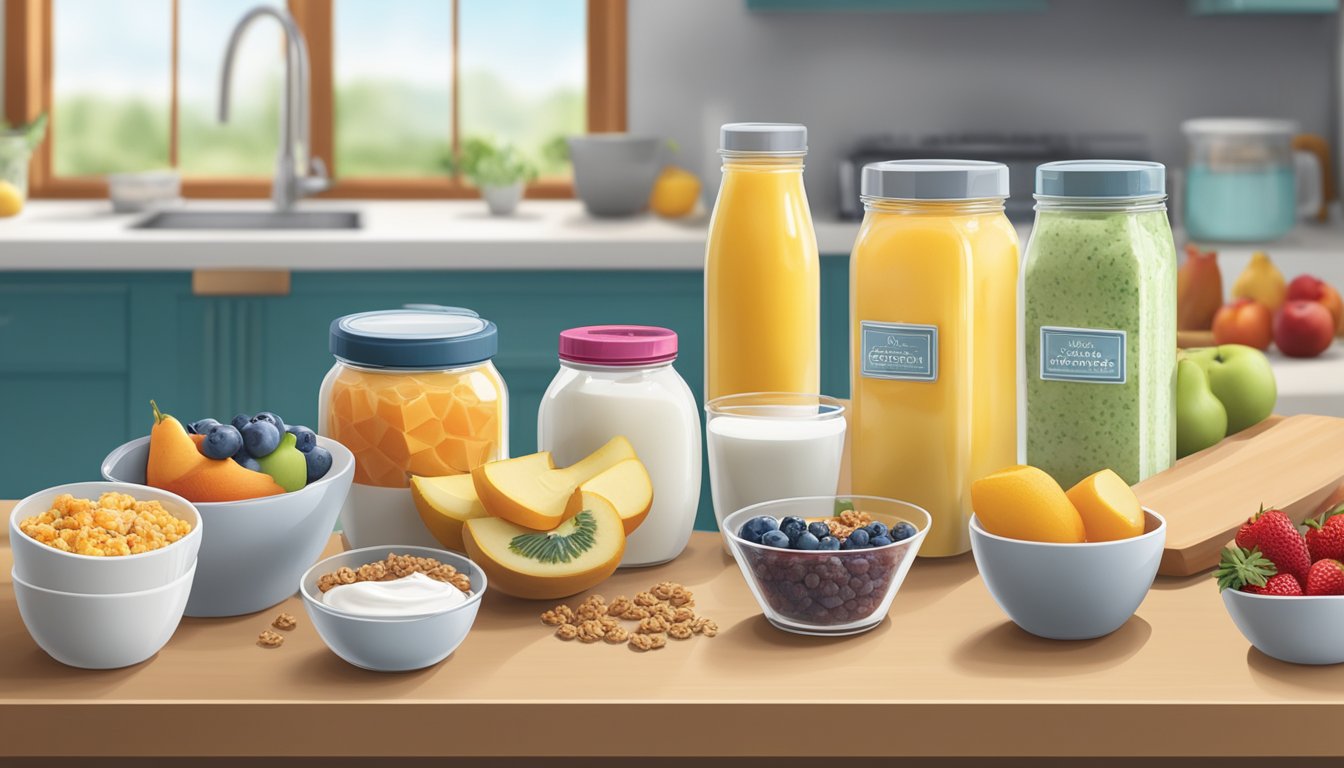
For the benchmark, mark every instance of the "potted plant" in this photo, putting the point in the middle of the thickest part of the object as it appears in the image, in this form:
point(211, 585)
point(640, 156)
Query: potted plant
point(499, 171)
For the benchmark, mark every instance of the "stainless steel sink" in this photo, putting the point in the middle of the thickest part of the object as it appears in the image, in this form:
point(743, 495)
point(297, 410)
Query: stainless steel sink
point(250, 220)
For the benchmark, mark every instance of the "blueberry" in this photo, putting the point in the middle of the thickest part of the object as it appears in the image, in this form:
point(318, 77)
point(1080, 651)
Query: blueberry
point(879, 541)
point(756, 527)
point(200, 427)
point(304, 438)
point(221, 441)
point(902, 531)
point(793, 528)
point(775, 539)
point(806, 540)
point(820, 530)
point(274, 420)
point(792, 519)
point(828, 542)
point(849, 544)
point(876, 530)
point(859, 538)
point(240, 421)
point(319, 463)
point(250, 463)
point(260, 437)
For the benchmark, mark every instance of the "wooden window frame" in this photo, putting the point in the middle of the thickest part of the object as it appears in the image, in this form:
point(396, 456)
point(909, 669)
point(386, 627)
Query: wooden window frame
point(28, 93)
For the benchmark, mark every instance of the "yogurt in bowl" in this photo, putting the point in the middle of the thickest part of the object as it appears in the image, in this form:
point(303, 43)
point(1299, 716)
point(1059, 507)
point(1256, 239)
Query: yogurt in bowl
point(395, 624)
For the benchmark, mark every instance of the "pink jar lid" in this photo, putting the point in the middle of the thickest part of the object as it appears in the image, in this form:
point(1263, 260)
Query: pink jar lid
point(618, 345)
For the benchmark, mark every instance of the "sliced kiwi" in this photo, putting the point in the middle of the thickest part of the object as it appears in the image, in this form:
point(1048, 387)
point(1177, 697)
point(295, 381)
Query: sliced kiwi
point(553, 547)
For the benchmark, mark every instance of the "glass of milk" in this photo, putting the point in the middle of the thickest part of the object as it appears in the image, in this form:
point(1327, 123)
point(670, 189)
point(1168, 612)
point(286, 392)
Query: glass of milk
point(773, 445)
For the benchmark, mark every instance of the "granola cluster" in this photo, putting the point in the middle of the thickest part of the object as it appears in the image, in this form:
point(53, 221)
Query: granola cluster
point(116, 524)
point(395, 567)
point(664, 611)
point(847, 522)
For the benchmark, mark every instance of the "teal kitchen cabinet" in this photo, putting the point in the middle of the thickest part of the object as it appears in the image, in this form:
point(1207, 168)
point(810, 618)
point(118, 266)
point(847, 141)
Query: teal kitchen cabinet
point(82, 353)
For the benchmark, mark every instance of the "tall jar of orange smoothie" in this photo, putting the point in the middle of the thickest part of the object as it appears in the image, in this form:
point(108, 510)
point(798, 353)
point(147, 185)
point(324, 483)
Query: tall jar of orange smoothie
point(413, 392)
point(762, 277)
point(933, 324)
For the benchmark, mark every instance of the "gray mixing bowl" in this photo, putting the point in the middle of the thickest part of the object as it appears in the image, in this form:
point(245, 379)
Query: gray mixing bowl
point(614, 172)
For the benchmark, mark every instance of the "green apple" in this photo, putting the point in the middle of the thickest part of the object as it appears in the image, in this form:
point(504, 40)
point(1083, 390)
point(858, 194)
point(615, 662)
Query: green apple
point(1201, 419)
point(286, 465)
point(1240, 376)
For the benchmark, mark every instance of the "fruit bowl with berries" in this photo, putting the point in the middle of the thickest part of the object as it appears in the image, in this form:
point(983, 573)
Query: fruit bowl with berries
point(1285, 589)
point(826, 565)
point(269, 494)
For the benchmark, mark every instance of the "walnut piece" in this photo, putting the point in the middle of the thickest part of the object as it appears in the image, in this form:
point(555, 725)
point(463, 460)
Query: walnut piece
point(653, 625)
point(680, 631)
point(285, 621)
point(616, 636)
point(566, 631)
point(269, 639)
point(647, 642)
point(663, 590)
point(591, 631)
point(706, 627)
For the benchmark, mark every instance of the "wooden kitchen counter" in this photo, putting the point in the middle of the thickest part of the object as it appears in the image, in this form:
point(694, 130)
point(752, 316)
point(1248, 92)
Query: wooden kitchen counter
point(945, 675)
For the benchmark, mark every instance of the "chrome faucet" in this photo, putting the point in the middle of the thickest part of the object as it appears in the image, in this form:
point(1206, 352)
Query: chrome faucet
point(297, 173)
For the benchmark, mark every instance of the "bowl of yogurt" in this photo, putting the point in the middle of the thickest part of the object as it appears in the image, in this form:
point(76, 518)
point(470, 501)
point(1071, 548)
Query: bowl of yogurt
point(393, 609)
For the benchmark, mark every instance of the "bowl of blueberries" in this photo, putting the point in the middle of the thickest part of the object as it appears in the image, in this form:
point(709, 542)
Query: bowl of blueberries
point(826, 565)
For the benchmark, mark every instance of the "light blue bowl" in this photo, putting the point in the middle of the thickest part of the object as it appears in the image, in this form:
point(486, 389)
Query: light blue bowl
point(1069, 591)
point(1299, 630)
point(392, 644)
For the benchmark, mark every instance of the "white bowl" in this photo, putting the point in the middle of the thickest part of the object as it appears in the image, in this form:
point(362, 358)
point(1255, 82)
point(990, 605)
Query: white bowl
point(257, 548)
point(392, 644)
point(102, 631)
point(1300, 630)
point(1069, 591)
point(50, 568)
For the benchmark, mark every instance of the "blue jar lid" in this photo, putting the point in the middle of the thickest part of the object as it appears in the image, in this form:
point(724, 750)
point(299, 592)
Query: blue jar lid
point(413, 338)
point(1101, 179)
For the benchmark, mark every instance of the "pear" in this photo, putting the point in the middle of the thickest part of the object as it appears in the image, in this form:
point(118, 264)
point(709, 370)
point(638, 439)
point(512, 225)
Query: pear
point(286, 465)
point(1201, 419)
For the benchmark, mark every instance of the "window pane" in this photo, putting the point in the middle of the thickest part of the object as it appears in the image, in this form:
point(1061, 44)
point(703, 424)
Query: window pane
point(523, 74)
point(246, 145)
point(111, 84)
point(393, 79)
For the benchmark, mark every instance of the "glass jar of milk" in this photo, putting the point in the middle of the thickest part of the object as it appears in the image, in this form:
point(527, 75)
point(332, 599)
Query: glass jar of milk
point(619, 380)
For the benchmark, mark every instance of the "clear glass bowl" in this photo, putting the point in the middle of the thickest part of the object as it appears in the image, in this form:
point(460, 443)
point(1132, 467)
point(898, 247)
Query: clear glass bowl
point(832, 592)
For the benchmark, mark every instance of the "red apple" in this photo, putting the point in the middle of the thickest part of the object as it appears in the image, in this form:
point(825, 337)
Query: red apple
point(1303, 328)
point(1314, 289)
point(1244, 321)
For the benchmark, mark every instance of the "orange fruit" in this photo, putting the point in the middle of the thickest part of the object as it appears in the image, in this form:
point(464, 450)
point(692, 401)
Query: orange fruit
point(1024, 502)
point(675, 192)
point(1108, 506)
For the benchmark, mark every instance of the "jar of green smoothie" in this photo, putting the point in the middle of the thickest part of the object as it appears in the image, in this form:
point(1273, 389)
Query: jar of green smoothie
point(1099, 322)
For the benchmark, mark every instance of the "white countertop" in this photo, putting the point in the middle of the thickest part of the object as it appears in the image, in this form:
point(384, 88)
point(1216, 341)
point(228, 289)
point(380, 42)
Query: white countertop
point(400, 234)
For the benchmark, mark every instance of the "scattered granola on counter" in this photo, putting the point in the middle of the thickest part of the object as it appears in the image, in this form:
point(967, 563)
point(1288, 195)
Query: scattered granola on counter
point(285, 621)
point(269, 639)
point(665, 610)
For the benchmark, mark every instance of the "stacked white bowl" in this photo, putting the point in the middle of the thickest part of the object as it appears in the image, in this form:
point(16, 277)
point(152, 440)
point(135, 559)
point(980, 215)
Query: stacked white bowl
point(102, 612)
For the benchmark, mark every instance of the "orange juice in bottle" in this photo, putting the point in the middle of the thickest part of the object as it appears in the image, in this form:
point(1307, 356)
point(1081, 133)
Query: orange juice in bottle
point(762, 277)
point(933, 323)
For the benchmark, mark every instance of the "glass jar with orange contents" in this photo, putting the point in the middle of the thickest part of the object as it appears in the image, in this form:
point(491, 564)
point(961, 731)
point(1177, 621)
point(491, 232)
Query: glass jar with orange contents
point(413, 392)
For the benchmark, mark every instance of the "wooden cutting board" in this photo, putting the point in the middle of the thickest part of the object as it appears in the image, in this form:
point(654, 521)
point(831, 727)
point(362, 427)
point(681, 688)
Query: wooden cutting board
point(1293, 463)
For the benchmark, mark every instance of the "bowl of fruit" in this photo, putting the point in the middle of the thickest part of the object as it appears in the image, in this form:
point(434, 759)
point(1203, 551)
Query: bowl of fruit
point(1285, 591)
point(268, 493)
point(1064, 565)
point(826, 565)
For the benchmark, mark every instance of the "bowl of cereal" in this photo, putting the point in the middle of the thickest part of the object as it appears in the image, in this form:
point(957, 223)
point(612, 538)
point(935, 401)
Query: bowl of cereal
point(393, 609)
point(100, 538)
point(257, 548)
point(102, 631)
point(826, 565)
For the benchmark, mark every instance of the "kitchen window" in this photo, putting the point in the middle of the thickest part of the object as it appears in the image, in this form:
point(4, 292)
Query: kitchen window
point(398, 87)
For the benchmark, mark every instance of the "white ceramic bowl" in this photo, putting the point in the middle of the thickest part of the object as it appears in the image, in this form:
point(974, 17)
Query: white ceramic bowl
point(392, 644)
point(50, 568)
point(256, 549)
point(1300, 630)
point(1069, 591)
point(102, 631)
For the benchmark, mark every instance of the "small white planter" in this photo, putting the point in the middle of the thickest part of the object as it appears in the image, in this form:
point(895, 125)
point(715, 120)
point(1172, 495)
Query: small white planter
point(503, 200)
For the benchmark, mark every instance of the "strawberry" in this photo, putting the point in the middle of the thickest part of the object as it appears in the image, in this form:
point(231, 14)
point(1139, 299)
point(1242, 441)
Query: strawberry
point(1326, 577)
point(1277, 538)
point(1280, 584)
point(1245, 569)
point(1325, 535)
